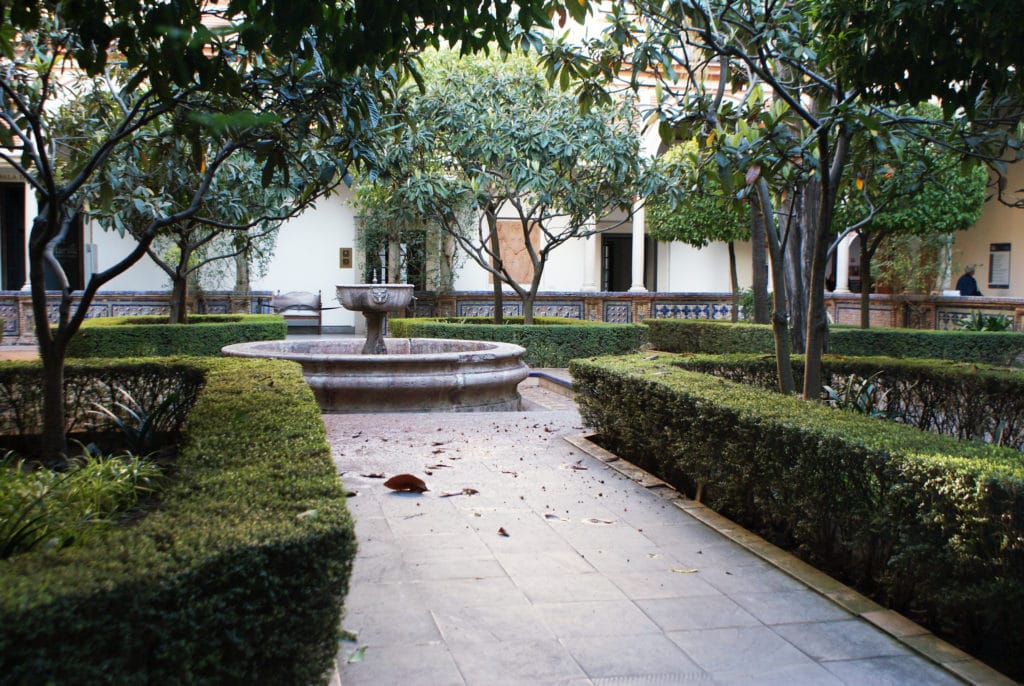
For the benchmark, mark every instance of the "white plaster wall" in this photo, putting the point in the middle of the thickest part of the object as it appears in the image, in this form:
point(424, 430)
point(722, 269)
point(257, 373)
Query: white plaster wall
point(111, 248)
point(997, 224)
point(685, 269)
point(307, 255)
point(563, 270)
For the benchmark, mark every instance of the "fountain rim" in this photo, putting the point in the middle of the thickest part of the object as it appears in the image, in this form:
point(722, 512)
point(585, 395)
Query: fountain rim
point(263, 349)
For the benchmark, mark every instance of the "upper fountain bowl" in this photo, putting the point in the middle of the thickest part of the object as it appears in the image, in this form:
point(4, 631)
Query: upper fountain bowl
point(375, 297)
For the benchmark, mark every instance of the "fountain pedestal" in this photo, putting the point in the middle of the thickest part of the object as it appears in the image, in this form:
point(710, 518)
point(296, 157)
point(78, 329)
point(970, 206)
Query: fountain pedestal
point(374, 300)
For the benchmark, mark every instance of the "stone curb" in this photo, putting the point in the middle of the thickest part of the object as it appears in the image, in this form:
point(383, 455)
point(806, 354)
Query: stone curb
point(907, 632)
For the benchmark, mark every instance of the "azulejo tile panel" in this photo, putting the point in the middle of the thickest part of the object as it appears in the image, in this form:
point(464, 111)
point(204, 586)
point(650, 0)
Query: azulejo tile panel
point(692, 310)
point(618, 313)
point(570, 310)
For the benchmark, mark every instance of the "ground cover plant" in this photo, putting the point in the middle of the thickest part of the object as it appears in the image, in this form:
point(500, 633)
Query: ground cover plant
point(237, 574)
point(923, 523)
point(549, 341)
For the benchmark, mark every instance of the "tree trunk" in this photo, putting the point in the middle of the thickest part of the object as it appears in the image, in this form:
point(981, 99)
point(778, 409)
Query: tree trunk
point(394, 258)
point(799, 240)
point(759, 266)
point(499, 299)
point(179, 299)
point(528, 300)
point(817, 323)
point(865, 284)
point(240, 296)
point(735, 281)
point(780, 318)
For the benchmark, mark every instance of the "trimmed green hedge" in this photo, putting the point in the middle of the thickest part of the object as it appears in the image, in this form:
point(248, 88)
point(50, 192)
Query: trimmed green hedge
point(549, 341)
point(1004, 348)
point(715, 337)
point(152, 336)
point(239, 576)
point(967, 401)
point(928, 525)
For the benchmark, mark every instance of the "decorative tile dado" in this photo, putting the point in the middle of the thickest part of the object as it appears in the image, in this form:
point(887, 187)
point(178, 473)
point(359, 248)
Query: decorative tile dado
point(137, 309)
point(486, 309)
point(618, 312)
point(570, 310)
point(692, 310)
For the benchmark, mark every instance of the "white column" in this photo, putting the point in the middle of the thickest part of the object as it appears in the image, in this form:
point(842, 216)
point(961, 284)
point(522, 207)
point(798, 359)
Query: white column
point(843, 264)
point(591, 259)
point(639, 231)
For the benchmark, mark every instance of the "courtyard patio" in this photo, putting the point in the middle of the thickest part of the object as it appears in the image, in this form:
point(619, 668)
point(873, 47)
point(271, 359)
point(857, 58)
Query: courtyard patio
point(537, 558)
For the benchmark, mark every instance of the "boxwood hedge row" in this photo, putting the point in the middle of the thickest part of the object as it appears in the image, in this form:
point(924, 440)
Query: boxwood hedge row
point(238, 576)
point(967, 401)
point(928, 525)
point(153, 336)
point(549, 341)
point(714, 338)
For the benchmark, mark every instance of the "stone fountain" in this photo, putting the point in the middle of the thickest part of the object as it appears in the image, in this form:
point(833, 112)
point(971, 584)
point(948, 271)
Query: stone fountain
point(374, 301)
point(398, 374)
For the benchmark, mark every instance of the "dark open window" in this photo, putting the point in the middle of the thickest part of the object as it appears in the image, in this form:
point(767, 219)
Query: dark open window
point(12, 235)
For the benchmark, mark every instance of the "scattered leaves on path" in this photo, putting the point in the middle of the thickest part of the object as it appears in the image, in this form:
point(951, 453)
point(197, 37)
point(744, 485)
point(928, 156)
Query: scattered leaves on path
point(464, 491)
point(406, 482)
point(502, 532)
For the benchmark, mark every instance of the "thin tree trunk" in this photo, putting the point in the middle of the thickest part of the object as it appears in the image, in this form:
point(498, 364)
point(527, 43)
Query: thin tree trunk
point(799, 240)
point(179, 299)
point(499, 299)
point(394, 258)
point(817, 323)
point(735, 281)
point(759, 266)
point(240, 299)
point(780, 318)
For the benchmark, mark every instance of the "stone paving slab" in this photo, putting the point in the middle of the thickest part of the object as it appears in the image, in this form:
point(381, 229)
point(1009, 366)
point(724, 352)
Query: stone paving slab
point(562, 570)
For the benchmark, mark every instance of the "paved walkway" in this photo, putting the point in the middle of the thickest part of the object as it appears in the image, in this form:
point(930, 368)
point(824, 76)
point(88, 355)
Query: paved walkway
point(531, 562)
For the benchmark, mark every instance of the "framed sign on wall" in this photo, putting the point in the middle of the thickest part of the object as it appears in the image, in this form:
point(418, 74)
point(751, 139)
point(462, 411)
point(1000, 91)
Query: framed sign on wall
point(999, 265)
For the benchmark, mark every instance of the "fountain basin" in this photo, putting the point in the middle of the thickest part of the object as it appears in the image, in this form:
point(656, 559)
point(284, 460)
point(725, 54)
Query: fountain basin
point(415, 375)
point(375, 297)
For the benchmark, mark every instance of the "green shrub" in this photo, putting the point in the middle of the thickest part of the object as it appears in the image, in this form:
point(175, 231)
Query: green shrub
point(238, 576)
point(549, 342)
point(709, 337)
point(967, 401)
point(926, 524)
point(204, 335)
point(716, 338)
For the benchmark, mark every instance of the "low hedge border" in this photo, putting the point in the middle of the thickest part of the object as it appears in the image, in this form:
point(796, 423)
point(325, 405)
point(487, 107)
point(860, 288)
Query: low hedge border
point(549, 341)
point(238, 576)
point(967, 401)
point(715, 338)
point(925, 524)
point(153, 336)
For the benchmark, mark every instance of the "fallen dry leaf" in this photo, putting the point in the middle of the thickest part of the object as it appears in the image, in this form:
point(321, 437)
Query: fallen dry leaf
point(502, 532)
point(372, 476)
point(595, 520)
point(406, 482)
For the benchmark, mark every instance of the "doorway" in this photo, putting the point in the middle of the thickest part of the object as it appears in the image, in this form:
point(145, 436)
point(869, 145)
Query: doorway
point(12, 236)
